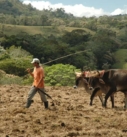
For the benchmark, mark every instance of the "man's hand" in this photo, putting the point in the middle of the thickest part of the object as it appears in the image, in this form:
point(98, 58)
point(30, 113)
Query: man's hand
point(28, 70)
point(35, 87)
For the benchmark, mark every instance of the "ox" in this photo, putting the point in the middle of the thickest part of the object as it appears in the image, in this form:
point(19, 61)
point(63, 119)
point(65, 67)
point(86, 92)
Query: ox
point(82, 79)
point(113, 79)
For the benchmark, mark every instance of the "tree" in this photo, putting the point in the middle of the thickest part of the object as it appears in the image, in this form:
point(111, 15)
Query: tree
point(16, 61)
point(76, 37)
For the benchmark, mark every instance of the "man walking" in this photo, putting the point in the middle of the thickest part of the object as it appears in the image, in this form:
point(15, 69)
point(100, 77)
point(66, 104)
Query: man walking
point(38, 83)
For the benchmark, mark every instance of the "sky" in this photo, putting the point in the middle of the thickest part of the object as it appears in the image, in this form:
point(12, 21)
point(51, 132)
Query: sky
point(83, 8)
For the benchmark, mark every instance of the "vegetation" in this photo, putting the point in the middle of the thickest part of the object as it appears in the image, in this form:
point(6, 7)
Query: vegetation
point(121, 59)
point(25, 32)
point(60, 75)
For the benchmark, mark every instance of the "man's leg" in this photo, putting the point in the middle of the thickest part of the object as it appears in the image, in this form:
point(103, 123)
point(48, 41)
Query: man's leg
point(43, 97)
point(31, 94)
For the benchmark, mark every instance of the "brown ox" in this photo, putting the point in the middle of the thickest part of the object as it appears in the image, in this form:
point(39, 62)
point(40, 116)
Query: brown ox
point(114, 79)
point(82, 79)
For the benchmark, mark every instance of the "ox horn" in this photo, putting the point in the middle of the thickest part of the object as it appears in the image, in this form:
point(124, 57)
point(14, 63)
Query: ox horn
point(98, 72)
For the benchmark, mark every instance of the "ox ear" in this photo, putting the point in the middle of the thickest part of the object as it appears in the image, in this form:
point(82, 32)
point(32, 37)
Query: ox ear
point(101, 81)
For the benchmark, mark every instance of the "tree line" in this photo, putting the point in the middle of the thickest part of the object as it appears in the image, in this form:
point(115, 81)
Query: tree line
point(98, 48)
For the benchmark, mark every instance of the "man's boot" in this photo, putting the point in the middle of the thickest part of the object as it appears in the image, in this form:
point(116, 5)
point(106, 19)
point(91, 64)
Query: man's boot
point(46, 104)
point(28, 103)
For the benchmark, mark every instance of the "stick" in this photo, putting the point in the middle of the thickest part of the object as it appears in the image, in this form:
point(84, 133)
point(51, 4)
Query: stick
point(53, 104)
point(65, 56)
point(45, 93)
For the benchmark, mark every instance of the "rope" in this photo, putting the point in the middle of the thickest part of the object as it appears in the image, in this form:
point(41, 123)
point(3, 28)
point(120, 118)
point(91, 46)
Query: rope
point(65, 56)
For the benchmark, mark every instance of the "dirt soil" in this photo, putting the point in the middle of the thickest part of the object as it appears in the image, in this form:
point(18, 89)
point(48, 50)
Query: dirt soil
point(71, 116)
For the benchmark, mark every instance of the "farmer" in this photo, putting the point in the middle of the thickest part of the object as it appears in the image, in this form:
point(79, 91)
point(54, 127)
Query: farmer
point(38, 83)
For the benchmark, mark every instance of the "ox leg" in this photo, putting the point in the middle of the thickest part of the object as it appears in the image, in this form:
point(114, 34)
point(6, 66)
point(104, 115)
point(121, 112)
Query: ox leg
point(93, 95)
point(125, 100)
point(101, 99)
point(110, 92)
point(112, 100)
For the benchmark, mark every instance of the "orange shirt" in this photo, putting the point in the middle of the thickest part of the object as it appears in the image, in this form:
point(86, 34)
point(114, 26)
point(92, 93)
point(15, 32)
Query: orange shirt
point(38, 74)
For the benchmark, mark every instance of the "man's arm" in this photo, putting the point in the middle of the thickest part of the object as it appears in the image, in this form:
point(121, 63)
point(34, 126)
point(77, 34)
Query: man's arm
point(29, 71)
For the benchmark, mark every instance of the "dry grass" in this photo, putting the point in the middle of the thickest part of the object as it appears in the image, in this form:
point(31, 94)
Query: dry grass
point(70, 117)
point(32, 30)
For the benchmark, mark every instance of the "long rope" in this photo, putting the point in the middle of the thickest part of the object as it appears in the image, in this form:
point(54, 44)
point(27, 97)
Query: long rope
point(65, 56)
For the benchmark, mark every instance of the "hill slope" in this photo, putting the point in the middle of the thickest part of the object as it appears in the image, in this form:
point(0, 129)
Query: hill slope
point(9, 29)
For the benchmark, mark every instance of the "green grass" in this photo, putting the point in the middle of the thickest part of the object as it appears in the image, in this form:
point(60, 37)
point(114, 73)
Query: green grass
point(32, 30)
point(121, 57)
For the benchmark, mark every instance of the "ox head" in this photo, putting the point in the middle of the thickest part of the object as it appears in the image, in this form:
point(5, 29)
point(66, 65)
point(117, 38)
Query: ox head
point(88, 79)
point(82, 81)
point(96, 80)
point(79, 79)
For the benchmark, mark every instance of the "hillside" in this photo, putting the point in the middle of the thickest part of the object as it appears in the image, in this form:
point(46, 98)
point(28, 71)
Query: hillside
point(15, 7)
point(9, 29)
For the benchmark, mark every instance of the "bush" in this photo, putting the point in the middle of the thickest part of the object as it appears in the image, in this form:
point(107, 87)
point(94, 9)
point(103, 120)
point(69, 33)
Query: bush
point(55, 75)
point(15, 66)
point(59, 75)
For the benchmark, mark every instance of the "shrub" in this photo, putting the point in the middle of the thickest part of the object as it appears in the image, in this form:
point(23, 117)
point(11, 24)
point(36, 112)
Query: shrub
point(59, 75)
point(15, 66)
